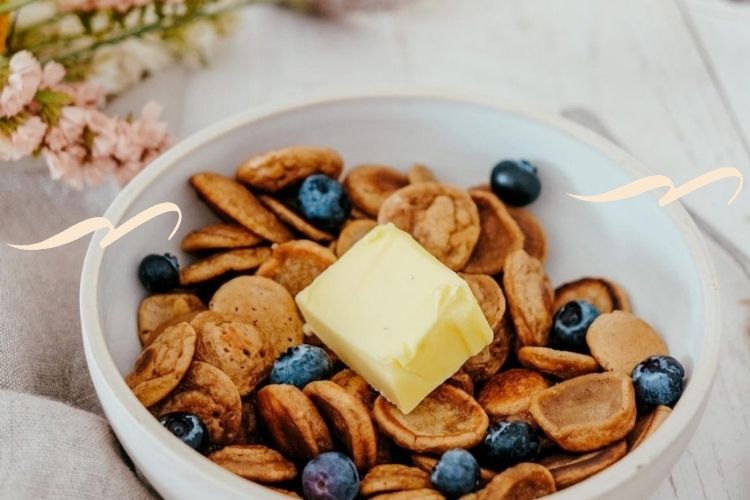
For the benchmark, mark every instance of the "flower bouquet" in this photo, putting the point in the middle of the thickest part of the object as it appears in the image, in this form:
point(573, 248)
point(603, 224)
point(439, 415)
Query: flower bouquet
point(61, 60)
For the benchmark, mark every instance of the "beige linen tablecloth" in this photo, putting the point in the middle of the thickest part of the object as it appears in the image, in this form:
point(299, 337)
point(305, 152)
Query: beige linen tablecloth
point(54, 441)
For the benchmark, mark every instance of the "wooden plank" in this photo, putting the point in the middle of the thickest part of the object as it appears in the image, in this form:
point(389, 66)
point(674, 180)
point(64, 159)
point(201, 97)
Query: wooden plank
point(711, 467)
point(723, 28)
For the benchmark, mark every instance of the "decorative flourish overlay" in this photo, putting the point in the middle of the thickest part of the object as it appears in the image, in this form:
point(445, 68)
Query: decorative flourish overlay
point(652, 182)
point(88, 226)
point(623, 192)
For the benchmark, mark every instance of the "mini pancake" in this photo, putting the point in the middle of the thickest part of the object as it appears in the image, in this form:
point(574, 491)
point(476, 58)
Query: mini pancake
point(275, 170)
point(463, 381)
point(296, 427)
point(647, 424)
point(349, 420)
point(356, 386)
point(509, 393)
point(559, 364)
point(352, 232)
point(210, 394)
point(428, 462)
point(443, 219)
point(489, 296)
point(525, 481)
point(529, 296)
point(534, 236)
point(447, 418)
point(369, 185)
point(295, 264)
point(220, 236)
point(499, 235)
point(185, 318)
point(421, 494)
point(213, 266)
point(620, 340)
point(606, 295)
point(231, 199)
point(163, 364)
point(420, 173)
point(393, 477)
point(255, 462)
point(482, 366)
point(268, 305)
point(237, 348)
point(571, 468)
point(587, 412)
point(155, 310)
point(291, 218)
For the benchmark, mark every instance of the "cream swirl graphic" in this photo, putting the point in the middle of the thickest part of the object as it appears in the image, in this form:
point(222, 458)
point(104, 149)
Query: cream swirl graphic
point(88, 226)
point(651, 182)
point(629, 190)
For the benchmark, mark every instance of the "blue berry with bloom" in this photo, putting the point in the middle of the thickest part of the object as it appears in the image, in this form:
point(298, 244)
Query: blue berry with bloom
point(456, 474)
point(658, 380)
point(323, 201)
point(300, 365)
point(330, 476)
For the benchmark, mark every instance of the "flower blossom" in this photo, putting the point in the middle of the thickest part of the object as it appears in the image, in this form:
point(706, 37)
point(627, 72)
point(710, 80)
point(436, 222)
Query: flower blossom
point(23, 140)
point(24, 78)
point(88, 146)
point(140, 142)
point(40, 112)
point(84, 94)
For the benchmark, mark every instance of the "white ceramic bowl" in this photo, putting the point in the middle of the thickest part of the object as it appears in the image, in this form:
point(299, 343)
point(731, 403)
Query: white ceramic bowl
point(655, 253)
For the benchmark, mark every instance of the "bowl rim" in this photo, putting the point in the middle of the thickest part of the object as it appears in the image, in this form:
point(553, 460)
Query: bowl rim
point(684, 416)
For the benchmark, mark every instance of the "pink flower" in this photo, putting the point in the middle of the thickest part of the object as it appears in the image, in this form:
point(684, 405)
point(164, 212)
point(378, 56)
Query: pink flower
point(25, 76)
point(84, 94)
point(23, 141)
point(76, 170)
point(69, 157)
point(52, 74)
point(140, 142)
point(104, 130)
point(69, 129)
point(87, 146)
point(150, 132)
point(88, 94)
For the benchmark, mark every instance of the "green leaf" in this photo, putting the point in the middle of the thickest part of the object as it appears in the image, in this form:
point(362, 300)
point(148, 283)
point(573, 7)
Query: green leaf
point(51, 97)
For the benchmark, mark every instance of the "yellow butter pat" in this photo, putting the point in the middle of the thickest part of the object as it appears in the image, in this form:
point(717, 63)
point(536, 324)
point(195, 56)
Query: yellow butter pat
point(395, 315)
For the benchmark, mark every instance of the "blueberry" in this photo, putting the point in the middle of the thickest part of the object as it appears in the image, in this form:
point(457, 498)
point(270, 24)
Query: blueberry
point(159, 273)
point(515, 182)
point(324, 202)
point(301, 365)
point(658, 381)
point(456, 474)
point(188, 427)
point(510, 442)
point(570, 325)
point(330, 476)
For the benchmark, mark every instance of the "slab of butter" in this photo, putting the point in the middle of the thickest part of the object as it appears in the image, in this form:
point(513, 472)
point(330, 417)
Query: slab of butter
point(395, 315)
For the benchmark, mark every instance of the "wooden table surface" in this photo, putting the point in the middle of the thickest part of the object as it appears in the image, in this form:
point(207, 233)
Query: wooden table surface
point(668, 79)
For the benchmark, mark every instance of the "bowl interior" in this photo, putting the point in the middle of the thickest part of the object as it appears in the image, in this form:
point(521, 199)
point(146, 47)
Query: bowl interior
point(634, 242)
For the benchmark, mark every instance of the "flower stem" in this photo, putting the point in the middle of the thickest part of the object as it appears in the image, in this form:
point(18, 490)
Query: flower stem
point(138, 31)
